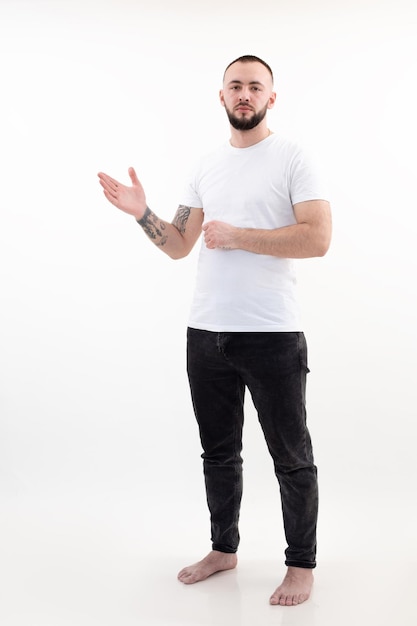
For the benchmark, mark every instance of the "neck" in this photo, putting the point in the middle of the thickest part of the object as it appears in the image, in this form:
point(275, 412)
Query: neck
point(246, 138)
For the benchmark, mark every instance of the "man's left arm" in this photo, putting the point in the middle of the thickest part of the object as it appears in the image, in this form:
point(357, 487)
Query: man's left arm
point(309, 237)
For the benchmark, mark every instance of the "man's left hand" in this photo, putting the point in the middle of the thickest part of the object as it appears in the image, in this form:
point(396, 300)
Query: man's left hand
point(220, 235)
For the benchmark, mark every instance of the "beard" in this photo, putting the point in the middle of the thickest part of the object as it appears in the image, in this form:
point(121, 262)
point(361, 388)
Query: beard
point(246, 123)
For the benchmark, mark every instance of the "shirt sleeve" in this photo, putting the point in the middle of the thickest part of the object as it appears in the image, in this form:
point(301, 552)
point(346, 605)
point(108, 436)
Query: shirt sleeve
point(190, 196)
point(306, 180)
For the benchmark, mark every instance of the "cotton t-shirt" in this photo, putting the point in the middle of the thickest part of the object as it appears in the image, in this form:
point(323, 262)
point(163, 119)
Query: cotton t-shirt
point(254, 187)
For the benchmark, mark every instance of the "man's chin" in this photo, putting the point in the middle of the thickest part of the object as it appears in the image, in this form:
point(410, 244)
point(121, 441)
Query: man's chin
point(243, 123)
point(246, 120)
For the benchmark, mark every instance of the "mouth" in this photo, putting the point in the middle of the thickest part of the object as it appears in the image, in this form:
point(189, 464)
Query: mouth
point(243, 107)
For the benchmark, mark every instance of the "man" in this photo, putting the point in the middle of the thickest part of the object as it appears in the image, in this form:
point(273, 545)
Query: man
point(259, 206)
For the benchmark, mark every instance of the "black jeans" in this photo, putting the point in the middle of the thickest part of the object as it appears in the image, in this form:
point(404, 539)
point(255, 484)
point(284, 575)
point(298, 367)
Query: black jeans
point(273, 366)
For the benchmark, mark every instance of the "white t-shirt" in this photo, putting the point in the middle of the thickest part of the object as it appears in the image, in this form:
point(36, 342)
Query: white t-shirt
point(255, 187)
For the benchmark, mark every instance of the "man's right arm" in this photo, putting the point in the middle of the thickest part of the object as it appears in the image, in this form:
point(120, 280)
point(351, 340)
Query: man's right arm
point(175, 239)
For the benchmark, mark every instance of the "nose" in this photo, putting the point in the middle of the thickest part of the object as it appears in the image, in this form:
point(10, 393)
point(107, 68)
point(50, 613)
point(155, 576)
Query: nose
point(244, 95)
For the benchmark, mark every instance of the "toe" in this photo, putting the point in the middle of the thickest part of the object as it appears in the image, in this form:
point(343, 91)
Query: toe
point(184, 575)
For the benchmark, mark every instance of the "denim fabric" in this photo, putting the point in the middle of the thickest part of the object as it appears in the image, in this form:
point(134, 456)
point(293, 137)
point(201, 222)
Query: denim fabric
point(273, 367)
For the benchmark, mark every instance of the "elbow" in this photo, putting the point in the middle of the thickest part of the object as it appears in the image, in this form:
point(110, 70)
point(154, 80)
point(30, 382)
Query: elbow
point(178, 249)
point(176, 255)
point(323, 242)
point(323, 236)
point(322, 250)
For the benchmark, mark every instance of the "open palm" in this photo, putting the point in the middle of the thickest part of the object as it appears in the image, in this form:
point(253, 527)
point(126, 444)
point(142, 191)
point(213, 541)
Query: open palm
point(131, 200)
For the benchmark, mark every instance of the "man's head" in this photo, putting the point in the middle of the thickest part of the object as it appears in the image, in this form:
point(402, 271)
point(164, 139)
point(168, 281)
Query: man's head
point(247, 91)
point(250, 58)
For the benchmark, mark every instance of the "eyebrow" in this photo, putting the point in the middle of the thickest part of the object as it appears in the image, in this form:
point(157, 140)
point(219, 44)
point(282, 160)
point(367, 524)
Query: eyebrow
point(239, 82)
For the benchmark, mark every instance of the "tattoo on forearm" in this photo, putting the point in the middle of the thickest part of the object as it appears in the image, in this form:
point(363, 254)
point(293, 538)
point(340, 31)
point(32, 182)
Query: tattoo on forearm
point(181, 218)
point(153, 227)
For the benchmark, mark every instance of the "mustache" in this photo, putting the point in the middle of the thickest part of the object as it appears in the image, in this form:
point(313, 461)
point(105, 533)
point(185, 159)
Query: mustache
point(242, 104)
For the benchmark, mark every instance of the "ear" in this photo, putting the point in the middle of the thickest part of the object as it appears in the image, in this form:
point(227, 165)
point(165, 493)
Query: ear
point(272, 99)
point(221, 96)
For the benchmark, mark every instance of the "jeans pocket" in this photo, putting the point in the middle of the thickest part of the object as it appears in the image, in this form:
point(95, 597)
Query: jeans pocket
point(303, 352)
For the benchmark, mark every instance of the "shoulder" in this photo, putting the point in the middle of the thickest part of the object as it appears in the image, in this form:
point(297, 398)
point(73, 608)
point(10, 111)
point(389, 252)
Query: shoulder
point(285, 145)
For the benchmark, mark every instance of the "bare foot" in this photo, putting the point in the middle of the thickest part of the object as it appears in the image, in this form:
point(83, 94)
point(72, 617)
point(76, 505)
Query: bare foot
point(214, 562)
point(295, 588)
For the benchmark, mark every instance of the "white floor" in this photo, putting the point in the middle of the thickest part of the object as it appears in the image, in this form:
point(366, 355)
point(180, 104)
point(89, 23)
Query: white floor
point(76, 562)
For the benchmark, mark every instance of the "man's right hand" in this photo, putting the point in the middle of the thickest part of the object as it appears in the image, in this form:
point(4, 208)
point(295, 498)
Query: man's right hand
point(131, 200)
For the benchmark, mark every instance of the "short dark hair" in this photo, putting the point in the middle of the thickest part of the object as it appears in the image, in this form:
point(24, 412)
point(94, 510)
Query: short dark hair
point(250, 58)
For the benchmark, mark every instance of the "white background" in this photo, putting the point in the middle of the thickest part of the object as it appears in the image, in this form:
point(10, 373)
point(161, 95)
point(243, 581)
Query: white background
point(99, 453)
